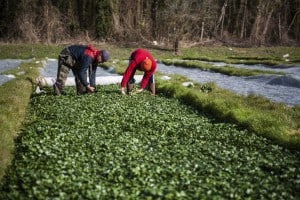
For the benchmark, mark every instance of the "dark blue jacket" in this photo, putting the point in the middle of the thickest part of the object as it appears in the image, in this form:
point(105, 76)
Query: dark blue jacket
point(85, 59)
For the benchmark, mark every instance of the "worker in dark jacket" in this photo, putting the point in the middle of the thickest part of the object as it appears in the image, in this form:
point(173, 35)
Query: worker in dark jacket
point(141, 60)
point(80, 59)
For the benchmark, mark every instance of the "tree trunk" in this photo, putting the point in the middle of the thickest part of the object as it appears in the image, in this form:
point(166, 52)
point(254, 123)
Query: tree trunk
point(237, 26)
point(46, 18)
point(221, 19)
point(244, 20)
point(154, 11)
point(256, 26)
point(263, 39)
point(202, 30)
point(292, 22)
point(260, 21)
point(279, 28)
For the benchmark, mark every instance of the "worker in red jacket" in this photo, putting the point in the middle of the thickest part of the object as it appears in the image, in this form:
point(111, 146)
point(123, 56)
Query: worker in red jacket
point(141, 60)
point(80, 59)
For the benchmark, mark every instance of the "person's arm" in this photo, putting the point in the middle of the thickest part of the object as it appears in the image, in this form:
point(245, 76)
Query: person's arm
point(128, 72)
point(92, 75)
point(83, 75)
point(85, 63)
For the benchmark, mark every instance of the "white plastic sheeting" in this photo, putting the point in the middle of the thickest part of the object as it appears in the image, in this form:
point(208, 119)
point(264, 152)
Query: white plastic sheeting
point(8, 64)
point(101, 80)
point(277, 88)
point(103, 76)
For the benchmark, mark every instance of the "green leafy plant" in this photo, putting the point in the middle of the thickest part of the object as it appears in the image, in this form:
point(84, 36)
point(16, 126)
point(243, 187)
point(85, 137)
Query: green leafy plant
point(109, 146)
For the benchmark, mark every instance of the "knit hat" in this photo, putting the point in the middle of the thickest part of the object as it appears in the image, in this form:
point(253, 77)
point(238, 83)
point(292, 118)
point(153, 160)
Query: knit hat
point(104, 55)
point(146, 64)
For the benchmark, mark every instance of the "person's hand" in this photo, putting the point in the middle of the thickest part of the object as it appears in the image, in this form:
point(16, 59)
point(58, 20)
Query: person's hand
point(139, 91)
point(90, 89)
point(123, 91)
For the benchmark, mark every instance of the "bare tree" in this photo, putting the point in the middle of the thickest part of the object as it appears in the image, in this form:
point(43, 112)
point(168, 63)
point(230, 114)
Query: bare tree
point(221, 19)
point(50, 24)
point(170, 22)
point(262, 21)
point(240, 19)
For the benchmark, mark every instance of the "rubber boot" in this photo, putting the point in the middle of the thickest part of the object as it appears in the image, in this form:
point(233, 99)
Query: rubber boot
point(130, 87)
point(56, 89)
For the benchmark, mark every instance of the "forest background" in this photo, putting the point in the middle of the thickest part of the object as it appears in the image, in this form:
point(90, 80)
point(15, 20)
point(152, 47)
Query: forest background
point(163, 22)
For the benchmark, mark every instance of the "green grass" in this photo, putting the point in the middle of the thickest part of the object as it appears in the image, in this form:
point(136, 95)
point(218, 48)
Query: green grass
point(227, 69)
point(264, 55)
point(29, 51)
point(15, 96)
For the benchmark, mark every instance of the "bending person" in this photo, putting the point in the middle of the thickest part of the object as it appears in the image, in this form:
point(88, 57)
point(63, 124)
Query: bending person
point(141, 60)
point(80, 59)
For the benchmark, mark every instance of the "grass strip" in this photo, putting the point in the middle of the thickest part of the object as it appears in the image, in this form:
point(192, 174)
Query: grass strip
point(279, 55)
point(227, 69)
point(14, 98)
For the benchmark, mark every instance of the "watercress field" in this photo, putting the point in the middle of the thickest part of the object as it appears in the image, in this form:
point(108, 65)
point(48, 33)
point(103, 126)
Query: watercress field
point(108, 146)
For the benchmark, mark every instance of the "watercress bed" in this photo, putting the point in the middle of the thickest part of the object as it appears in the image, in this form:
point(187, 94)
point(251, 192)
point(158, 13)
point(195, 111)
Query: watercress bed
point(109, 146)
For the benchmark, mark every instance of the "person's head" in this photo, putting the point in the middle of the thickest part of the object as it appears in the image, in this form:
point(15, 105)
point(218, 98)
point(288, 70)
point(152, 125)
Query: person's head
point(146, 64)
point(103, 56)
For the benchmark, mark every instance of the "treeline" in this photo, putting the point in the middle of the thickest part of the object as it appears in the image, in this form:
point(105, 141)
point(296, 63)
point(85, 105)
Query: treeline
point(252, 22)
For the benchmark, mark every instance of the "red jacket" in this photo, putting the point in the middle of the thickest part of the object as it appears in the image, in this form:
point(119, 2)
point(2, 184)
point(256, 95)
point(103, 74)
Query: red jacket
point(137, 57)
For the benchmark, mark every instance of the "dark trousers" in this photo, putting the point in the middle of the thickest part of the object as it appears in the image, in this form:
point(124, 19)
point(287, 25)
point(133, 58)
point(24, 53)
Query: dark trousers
point(66, 62)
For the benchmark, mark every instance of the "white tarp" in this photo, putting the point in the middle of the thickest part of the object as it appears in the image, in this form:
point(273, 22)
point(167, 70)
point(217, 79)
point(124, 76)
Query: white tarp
point(101, 80)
